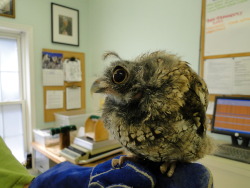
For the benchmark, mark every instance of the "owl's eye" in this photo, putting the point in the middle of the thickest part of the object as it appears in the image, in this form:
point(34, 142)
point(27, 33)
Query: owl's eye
point(120, 75)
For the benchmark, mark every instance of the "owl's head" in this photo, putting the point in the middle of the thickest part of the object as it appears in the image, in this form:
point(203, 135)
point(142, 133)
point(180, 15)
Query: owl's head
point(125, 81)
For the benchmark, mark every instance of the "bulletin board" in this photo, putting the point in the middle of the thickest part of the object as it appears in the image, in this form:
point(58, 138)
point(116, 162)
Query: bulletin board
point(80, 85)
point(225, 47)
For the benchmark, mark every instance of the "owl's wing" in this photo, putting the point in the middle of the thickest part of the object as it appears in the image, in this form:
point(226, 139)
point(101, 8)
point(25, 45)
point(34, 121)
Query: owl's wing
point(193, 95)
point(200, 89)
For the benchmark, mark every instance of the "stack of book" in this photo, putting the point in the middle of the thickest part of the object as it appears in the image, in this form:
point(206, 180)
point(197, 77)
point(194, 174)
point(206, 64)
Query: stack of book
point(85, 150)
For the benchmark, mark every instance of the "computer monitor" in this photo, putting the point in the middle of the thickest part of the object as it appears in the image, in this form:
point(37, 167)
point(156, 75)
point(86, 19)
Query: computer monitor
point(232, 117)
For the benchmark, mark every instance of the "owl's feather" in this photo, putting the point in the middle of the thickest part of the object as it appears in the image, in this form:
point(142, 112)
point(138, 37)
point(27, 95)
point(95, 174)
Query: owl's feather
point(155, 107)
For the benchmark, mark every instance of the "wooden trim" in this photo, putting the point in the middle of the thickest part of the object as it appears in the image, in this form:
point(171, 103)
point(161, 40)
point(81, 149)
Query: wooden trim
point(202, 38)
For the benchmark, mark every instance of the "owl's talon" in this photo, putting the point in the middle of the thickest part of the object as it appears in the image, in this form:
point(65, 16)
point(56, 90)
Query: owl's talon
point(168, 167)
point(171, 170)
point(115, 163)
point(122, 159)
point(118, 162)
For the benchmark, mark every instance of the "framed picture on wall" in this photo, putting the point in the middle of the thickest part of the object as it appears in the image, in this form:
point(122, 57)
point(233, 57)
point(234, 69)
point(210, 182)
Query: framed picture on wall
point(64, 25)
point(7, 8)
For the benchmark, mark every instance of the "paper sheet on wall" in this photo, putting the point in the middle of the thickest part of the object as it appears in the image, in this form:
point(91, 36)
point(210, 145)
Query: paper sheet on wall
point(218, 74)
point(227, 27)
point(54, 99)
point(72, 70)
point(228, 75)
point(242, 75)
point(53, 77)
point(73, 98)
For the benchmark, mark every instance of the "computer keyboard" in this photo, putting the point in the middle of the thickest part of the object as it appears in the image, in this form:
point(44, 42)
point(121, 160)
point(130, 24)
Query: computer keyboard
point(233, 152)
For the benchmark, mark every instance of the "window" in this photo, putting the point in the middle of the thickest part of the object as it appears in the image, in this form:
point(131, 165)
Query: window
point(15, 92)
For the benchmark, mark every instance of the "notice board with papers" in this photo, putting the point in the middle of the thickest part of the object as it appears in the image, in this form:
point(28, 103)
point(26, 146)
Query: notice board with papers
point(63, 86)
point(225, 47)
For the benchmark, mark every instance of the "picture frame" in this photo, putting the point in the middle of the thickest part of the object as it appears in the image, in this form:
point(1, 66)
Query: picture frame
point(7, 8)
point(64, 25)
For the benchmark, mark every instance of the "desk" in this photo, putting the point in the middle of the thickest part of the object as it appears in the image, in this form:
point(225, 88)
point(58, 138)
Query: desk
point(50, 157)
point(50, 152)
point(227, 173)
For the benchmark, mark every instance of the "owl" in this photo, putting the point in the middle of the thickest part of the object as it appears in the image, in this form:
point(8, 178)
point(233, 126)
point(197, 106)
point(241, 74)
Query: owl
point(155, 106)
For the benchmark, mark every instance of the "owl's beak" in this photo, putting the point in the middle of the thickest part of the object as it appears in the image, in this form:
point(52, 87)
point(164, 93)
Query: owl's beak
point(99, 86)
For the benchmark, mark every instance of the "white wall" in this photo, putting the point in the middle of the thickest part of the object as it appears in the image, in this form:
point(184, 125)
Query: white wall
point(37, 14)
point(131, 27)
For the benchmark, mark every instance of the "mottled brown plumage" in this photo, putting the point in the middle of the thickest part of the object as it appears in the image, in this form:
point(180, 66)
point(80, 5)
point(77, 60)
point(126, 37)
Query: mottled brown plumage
point(155, 107)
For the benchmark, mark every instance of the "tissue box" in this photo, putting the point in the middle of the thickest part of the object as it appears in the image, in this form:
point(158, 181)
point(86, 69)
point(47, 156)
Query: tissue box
point(43, 137)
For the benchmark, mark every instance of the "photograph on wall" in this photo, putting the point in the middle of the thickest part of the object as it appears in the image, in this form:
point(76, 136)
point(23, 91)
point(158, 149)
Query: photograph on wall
point(65, 25)
point(7, 8)
point(52, 60)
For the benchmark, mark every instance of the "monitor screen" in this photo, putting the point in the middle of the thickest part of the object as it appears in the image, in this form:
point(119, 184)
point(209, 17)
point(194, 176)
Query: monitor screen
point(232, 116)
